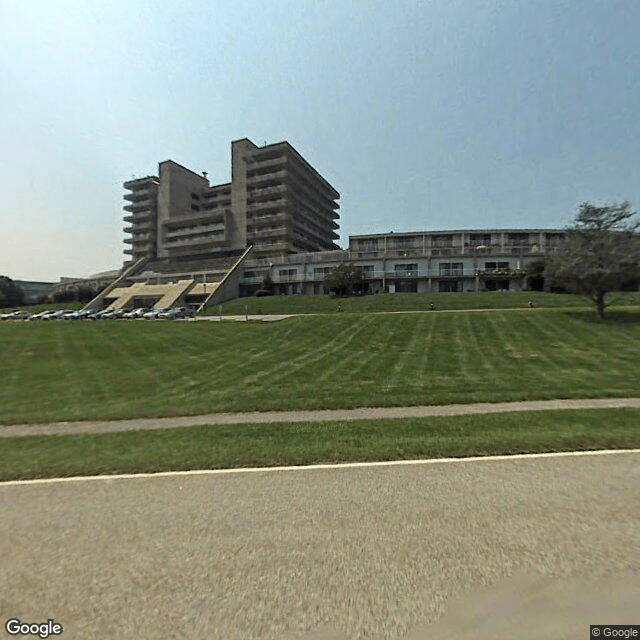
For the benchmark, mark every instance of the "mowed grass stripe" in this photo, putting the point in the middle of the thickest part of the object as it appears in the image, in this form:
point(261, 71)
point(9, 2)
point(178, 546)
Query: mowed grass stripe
point(481, 351)
point(70, 371)
point(406, 365)
point(284, 444)
point(328, 360)
point(295, 359)
point(424, 355)
point(468, 369)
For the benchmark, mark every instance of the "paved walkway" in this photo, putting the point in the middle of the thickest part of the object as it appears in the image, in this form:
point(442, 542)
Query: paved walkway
point(324, 415)
point(283, 316)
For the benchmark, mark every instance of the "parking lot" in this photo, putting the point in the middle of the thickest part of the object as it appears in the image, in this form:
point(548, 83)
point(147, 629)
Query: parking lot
point(175, 313)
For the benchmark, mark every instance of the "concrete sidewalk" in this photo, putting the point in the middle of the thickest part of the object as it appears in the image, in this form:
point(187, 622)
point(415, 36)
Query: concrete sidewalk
point(323, 415)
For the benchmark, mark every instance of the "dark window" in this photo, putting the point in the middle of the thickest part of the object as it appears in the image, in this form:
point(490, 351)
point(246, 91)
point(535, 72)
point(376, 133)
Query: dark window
point(450, 268)
point(407, 267)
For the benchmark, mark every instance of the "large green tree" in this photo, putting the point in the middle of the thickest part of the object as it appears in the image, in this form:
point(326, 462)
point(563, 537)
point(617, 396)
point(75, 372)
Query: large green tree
point(601, 252)
point(11, 295)
point(345, 280)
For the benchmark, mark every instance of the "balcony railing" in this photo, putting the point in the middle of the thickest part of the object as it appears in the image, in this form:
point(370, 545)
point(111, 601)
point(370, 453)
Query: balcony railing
point(186, 232)
point(208, 240)
point(311, 276)
point(137, 196)
point(501, 273)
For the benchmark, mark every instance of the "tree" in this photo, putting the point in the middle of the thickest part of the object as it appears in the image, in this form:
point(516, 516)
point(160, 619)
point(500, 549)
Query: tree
point(11, 295)
point(535, 274)
point(267, 287)
point(600, 253)
point(345, 280)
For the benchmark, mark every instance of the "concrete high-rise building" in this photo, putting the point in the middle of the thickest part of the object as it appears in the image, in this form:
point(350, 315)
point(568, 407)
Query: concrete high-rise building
point(276, 202)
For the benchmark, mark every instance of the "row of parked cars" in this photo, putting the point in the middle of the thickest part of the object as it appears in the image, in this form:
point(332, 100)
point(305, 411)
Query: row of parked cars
point(66, 314)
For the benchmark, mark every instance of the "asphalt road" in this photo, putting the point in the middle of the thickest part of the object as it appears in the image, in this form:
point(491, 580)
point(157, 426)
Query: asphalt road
point(509, 548)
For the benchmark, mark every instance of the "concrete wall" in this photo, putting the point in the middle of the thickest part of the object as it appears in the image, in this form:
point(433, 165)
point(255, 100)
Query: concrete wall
point(174, 195)
point(237, 230)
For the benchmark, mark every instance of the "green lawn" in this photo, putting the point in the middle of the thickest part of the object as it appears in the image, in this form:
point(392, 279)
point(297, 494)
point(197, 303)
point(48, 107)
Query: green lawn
point(309, 443)
point(412, 302)
point(103, 370)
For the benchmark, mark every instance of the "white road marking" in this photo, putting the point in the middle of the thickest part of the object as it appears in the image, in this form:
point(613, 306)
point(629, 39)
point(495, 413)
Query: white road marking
point(345, 465)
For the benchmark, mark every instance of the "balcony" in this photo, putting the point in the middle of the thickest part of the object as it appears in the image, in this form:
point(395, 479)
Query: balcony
point(266, 177)
point(278, 203)
point(255, 163)
point(195, 218)
point(501, 273)
point(142, 238)
point(204, 241)
point(138, 217)
point(266, 221)
point(299, 178)
point(140, 195)
point(138, 206)
point(137, 184)
point(186, 232)
point(279, 188)
point(261, 248)
point(267, 233)
point(320, 205)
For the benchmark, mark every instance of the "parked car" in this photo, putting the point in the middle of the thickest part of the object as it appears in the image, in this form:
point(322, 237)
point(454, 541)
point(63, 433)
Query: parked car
point(113, 314)
point(16, 315)
point(80, 314)
point(153, 314)
point(57, 315)
point(186, 312)
point(96, 315)
point(169, 314)
point(135, 313)
point(42, 315)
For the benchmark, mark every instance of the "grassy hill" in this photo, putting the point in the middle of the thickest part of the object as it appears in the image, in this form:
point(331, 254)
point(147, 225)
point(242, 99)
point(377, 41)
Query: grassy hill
point(76, 371)
point(412, 302)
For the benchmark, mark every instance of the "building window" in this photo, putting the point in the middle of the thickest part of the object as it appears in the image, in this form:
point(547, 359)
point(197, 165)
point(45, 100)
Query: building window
point(480, 240)
point(443, 241)
point(367, 270)
point(493, 266)
point(450, 268)
point(519, 239)
point(406, 270)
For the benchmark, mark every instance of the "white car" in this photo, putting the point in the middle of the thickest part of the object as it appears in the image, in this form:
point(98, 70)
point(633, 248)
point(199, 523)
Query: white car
point(135, 313)
point(16, 315)
point(43, 315)
point(153, 314)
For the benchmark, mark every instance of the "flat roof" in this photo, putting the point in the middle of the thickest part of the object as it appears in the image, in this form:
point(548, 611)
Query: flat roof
point(451, 232)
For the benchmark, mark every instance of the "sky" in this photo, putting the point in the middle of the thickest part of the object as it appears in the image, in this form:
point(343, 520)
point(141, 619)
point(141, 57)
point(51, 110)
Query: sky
point(423, 114)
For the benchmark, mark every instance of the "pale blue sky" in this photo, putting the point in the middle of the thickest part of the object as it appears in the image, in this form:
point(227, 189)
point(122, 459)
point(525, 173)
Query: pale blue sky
point(441, 114)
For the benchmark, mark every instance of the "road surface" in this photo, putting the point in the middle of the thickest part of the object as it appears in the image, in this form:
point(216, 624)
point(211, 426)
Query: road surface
point(536, 547)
